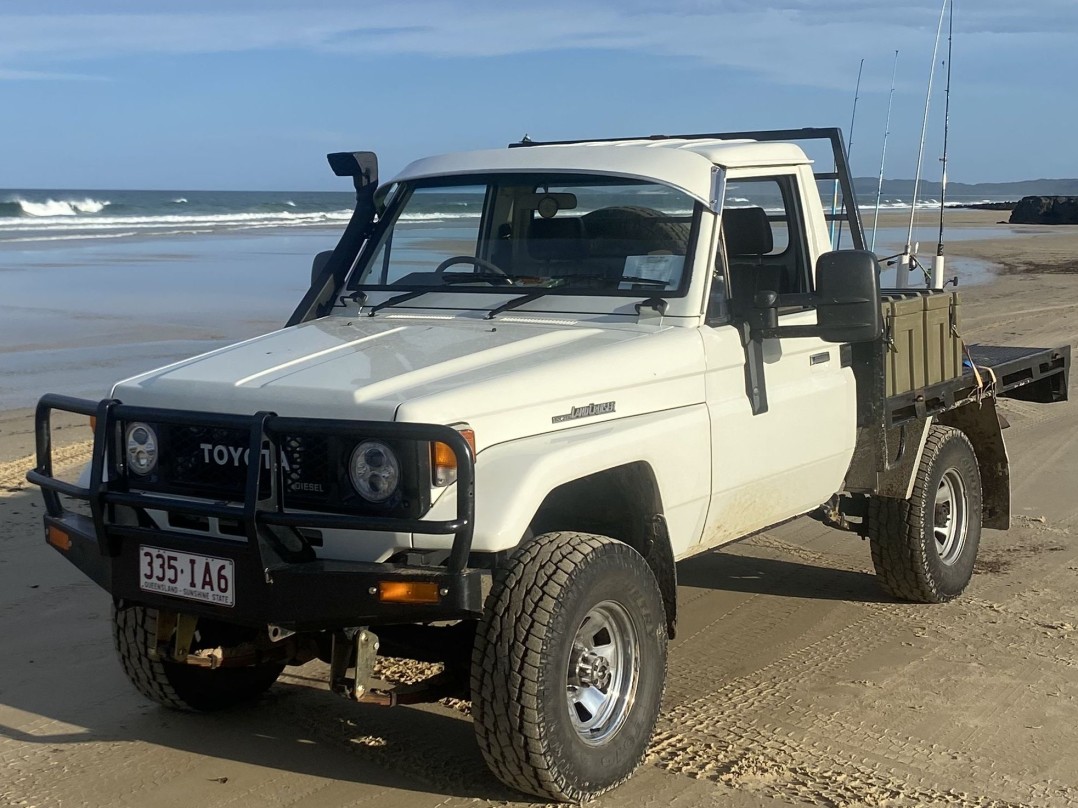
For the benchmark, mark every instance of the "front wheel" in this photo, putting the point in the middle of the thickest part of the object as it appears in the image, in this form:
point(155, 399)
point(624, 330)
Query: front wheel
point(180, 686)
point(924, 547)
point(569, 666)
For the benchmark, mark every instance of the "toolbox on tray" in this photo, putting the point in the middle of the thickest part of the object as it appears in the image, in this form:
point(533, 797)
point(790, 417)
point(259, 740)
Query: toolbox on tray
point(921, 328)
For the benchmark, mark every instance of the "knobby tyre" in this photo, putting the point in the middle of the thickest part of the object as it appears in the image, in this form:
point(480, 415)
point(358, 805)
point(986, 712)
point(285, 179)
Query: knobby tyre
point(924, 548)
point(178, 686)
point(569, 666)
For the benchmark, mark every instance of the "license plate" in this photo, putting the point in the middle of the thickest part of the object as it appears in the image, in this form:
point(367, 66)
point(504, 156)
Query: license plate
point(186, 575)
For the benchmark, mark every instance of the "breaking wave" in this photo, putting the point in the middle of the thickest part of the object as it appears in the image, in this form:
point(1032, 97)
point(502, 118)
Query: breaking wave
point(62, 215)
point(52, 207)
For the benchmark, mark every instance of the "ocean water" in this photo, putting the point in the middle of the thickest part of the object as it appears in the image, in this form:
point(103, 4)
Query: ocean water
point(78, 315)
point(36, 216)
point(64, 215)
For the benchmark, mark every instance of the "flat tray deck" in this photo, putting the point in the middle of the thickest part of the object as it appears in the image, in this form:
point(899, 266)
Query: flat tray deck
point(1042, 371)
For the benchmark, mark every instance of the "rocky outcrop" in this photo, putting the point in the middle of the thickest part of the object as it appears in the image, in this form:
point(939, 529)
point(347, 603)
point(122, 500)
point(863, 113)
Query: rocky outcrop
point(1046, 210)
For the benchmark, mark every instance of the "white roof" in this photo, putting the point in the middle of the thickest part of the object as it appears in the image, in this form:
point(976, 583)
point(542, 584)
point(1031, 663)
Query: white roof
point(683, 164)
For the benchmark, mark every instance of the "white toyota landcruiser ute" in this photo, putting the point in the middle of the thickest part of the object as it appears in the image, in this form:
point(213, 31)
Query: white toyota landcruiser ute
point(524, 385)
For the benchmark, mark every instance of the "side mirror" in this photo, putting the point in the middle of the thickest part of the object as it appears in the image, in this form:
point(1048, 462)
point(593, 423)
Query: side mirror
point(318, 266)
point(847, 302)
point(848, 296)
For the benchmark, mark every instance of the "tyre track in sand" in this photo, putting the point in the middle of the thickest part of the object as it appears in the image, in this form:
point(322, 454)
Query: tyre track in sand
point(13, 473)
point(730, 735)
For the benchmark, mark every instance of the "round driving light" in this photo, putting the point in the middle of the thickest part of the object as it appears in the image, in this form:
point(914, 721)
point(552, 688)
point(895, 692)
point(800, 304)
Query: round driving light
point(141, 443)
point(374, 471)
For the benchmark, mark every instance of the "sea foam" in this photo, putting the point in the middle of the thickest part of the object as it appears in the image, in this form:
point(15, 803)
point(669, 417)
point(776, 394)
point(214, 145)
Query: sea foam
point(61, 207)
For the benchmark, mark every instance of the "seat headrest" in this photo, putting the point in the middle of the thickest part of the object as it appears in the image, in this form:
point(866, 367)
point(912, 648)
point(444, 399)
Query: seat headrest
point(557, 239)
point(747, 231)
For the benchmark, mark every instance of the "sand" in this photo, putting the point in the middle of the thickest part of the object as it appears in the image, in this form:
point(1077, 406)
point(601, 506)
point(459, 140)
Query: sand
point(793, 680)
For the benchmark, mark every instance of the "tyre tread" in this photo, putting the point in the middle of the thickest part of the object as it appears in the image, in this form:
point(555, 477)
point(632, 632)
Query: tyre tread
point(506, 708)
point(131, 632)
point(895, 529)
point(182, 688)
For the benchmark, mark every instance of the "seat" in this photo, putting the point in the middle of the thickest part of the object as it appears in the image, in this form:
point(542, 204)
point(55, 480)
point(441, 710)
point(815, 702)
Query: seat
point(748, 238)
point(557, 239)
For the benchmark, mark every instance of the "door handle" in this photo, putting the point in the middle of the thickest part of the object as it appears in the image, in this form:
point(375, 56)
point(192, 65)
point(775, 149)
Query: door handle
point(820, 358)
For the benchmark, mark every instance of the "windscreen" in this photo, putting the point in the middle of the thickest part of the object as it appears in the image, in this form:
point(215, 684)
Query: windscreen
point(572, 234)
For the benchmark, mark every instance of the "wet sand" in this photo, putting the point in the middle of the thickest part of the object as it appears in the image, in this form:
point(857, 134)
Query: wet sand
point(793, 680)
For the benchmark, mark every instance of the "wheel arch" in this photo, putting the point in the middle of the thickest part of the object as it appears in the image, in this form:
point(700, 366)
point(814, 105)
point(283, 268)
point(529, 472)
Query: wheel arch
point(624, 503)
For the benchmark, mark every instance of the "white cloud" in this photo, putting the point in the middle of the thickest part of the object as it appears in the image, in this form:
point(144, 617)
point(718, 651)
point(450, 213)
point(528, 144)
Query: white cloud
point(40, 75)
point(790, 41)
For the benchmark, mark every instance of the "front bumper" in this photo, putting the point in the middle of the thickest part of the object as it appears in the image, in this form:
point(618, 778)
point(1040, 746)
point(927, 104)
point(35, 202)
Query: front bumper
point(273, 583)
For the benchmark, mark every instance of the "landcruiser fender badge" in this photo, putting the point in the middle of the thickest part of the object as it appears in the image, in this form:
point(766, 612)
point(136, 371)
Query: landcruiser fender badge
point(587, 411)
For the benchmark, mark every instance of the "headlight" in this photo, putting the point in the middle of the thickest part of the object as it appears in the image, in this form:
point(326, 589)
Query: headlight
point(141, 443)
point(374, 471)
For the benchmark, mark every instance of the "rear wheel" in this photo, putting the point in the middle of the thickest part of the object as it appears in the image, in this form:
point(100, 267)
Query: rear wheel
point(179, 686)
point(569, 666)
point(924, 548)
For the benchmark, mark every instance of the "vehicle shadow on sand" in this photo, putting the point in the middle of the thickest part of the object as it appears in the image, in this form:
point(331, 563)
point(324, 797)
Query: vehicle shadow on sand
point(762, 575)
point(301, 732)
point(64, 699)
point(73, 722)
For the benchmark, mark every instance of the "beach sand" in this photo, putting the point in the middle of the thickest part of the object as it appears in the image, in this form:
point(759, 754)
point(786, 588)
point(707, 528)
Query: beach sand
point(793, 680)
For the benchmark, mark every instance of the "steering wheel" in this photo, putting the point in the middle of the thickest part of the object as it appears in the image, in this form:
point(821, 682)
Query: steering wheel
point(475, 261)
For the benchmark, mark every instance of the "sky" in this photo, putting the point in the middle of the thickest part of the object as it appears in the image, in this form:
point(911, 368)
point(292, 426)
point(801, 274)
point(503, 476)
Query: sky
point(246, 94)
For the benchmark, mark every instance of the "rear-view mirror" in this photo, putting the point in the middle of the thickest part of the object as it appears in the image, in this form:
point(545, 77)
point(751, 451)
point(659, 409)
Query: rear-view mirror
point(848, 296)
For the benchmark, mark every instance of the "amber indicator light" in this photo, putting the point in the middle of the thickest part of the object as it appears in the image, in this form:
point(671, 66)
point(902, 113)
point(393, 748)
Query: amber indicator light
point(444, 462)
point(407, 592)
point(58, 538)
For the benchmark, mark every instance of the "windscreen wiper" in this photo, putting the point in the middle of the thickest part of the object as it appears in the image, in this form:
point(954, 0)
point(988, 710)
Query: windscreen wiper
point(393, 301)
point(515, 302)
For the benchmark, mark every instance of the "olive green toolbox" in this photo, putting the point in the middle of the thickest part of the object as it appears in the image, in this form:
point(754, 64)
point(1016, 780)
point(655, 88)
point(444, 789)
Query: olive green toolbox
point(921, 328)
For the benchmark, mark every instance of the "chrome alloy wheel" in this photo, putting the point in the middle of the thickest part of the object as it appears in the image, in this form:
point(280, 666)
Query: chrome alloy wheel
point(604, 668)
point(950, 519)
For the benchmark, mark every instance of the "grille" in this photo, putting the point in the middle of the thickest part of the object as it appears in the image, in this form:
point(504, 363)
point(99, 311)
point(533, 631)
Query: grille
point(213, 461)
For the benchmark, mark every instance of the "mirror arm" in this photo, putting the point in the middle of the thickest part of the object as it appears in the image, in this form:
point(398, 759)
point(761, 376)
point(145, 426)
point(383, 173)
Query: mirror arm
point(755, 380)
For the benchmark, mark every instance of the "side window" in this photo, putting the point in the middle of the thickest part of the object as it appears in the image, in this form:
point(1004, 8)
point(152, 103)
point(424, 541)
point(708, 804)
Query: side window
point(764, 239)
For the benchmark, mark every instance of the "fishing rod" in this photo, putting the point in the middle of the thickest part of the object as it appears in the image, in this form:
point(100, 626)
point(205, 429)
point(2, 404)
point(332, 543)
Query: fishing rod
point(908, 258)
point(938, 267)
point(883, 154)
point(836, 236)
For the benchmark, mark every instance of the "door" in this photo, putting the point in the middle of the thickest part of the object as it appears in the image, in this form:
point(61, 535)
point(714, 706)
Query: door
point(770, 463)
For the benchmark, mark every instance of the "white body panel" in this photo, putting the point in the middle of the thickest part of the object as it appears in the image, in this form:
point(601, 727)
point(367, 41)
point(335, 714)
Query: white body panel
point(688, 165)
point(783, 462)
point(513, 479)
